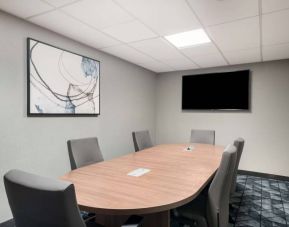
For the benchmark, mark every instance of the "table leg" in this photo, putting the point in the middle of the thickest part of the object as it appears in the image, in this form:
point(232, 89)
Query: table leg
point(160, 219)
point(111, 220)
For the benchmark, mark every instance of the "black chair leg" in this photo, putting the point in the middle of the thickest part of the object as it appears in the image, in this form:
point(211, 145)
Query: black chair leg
point(231, 220)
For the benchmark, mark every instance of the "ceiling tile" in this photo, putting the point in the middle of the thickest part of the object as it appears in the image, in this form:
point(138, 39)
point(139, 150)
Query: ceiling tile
point(24, 8)
point(217, 12)
point(165, 17)
point(276, 52)
point(139, 23)
point(128, 53)
point(274, 5)
point(243, 56)
point(132, 55)
point(157, 48)
point(129, 32)
point(99, 14)
point(275, 28)
point(58, 3)
point(181, 63)
point(65, 25)
point(211, 60)
point(157, 67)
point(204, 49)
point(237, 35)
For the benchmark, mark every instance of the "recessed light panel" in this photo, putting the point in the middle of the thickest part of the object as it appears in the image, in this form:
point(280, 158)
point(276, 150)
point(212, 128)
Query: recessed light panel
point(189, 38)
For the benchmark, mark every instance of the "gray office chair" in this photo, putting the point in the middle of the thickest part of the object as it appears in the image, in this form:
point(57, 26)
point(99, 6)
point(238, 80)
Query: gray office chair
point(83, 152)
point(239, 144)
point(212, 210)
point(202, 136)
point(141, 140)
point(38, 201)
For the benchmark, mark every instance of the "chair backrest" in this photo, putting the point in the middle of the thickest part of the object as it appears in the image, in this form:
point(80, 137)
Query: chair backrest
point(219, 191)
point(202, 136)
point(239, 144)
point(141, 140)
point(83, 152)
point(38, 201)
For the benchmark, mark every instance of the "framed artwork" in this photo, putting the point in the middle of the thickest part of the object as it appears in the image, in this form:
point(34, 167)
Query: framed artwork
point(61, 83)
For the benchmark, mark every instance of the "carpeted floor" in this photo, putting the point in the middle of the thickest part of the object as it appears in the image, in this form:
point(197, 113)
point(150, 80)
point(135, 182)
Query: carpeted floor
point(258, 202)
point(261, 202)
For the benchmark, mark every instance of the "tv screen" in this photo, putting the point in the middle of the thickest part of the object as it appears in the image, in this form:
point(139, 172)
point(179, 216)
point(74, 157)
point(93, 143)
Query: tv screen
point(216, 91)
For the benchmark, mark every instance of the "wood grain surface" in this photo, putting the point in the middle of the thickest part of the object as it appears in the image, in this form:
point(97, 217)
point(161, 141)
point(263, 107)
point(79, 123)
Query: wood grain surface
point(176, 177)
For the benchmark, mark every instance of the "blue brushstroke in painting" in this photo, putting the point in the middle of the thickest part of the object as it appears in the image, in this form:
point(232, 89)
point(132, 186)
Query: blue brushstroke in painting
point(89, 67)
point(69, 107)
point(39, 109)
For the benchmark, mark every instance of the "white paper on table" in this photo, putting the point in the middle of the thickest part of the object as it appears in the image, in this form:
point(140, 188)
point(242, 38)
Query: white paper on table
point(138, 172)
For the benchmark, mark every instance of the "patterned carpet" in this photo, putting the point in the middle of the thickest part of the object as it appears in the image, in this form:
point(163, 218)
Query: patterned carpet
point(258, 202)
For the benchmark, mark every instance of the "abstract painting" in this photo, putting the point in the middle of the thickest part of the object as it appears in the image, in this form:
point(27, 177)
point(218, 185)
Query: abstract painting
point(61, 83)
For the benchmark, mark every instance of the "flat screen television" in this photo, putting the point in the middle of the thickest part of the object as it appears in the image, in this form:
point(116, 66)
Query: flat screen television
point(216, 91)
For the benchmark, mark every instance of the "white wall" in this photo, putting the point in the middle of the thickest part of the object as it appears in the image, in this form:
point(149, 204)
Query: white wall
point(38, 145)
point(265, 129)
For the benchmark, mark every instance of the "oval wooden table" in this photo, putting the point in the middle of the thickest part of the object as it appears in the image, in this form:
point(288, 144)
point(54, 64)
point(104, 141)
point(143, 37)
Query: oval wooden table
point(176, 177)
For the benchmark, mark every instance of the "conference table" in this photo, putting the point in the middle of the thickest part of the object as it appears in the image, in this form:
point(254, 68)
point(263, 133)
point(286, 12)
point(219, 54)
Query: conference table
point(149, 183)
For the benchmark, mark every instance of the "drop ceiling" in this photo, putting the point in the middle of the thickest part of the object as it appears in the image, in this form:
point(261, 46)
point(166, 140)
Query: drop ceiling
point(241, 31)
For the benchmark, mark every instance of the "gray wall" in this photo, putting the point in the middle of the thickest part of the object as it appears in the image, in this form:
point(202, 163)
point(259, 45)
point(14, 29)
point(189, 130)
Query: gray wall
point(38, 145)
point(265, 128)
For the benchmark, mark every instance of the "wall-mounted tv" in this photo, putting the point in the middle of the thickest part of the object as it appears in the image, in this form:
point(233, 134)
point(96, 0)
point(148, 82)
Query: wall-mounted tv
point(216, 91)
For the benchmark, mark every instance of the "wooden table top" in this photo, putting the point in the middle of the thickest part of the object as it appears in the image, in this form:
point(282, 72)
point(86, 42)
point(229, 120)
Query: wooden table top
point(176, 177)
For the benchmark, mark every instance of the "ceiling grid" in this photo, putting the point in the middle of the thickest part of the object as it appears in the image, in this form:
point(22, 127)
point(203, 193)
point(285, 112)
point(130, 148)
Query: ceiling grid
point(240, 31)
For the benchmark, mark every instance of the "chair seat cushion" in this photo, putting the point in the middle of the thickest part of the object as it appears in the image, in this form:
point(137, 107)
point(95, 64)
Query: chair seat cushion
point(195, 210)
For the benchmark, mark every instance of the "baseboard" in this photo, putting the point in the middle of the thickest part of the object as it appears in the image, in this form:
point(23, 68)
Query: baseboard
point(263, 175)
point(9, 223)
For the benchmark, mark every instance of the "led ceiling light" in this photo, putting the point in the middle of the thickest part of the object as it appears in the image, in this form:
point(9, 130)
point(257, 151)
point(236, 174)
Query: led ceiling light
point(189, 38)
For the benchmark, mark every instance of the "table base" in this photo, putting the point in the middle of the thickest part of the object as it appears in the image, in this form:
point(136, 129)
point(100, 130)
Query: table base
point(160, 219)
